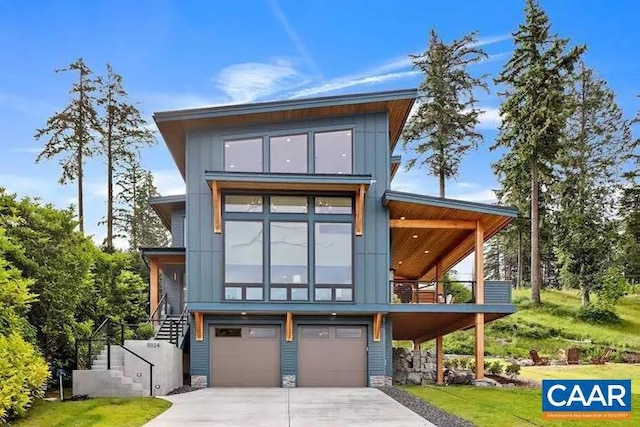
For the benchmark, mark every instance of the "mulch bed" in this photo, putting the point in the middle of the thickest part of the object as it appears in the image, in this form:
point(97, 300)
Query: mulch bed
point(518, 382)
point(181, 390)
point(427, 411)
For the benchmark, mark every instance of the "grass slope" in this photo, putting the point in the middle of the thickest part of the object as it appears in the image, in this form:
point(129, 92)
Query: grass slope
point(551, 327)
point(102, 412)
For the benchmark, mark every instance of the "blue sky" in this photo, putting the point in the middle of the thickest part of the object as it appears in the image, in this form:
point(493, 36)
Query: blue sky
point(179, 54)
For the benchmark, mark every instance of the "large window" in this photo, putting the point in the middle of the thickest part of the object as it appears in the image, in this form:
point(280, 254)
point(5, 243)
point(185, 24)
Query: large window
point(288, 154)
point(323, 152)
point(243, 155)
point(306, 253)
point(243, 266)
point(333, 152)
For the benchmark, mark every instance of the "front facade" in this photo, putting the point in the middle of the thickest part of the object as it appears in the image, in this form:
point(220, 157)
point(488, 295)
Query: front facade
point(294, 261)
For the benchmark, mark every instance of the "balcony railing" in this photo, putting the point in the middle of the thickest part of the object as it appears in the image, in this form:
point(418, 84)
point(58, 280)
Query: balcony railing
point(418, 292)
point(458, 292)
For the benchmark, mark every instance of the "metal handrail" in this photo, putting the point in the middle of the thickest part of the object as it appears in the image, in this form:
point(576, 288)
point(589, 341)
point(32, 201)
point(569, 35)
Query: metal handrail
point(179, 327)
point(102, 325)
point(151, 365)
point(162, 301)
point(419, 286)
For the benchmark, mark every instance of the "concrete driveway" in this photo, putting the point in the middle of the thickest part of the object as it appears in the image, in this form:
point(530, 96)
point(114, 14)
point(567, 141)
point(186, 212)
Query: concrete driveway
point(277, 407)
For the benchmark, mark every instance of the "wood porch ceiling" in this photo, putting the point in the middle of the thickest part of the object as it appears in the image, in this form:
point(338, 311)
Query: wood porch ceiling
point(416, 251)
point(425, 326)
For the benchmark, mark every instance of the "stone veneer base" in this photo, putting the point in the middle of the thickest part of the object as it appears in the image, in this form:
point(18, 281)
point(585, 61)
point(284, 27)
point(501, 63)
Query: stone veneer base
point(379, 381)
point(198, 381)
point(288, 381)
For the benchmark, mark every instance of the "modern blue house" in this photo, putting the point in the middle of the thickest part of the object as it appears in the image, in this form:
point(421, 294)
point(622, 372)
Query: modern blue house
point(294, 261)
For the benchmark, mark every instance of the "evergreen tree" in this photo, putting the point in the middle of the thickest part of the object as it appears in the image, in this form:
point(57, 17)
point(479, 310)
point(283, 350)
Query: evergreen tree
point(134, 217)
point(123, 133)
point(534, 111)
point(71, 132)
point(443, 128)
point(591, 160)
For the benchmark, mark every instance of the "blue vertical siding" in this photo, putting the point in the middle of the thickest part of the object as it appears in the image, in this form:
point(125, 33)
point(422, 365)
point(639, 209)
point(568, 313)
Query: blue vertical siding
point(371, 156)
point(497, 292)
point(177, 228)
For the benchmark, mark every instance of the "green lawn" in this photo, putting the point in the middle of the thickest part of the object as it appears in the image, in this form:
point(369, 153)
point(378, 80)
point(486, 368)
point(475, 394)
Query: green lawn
point(103, 412)
point(501, 407)
point(507, 407)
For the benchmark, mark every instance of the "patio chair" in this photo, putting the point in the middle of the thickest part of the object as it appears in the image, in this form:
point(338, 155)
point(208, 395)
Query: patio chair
point(537, 360)
point(562, 356)
point(450, 299)
point(603, 358)
point(573, 356)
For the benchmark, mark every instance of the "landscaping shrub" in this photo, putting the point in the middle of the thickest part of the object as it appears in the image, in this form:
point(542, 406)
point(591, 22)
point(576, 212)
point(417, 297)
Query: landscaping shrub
point(495, 368)
point(23, 374)
point(145, 331)
point(598, 315)
point(513, 370)
point(461, 293)
point(460, 343)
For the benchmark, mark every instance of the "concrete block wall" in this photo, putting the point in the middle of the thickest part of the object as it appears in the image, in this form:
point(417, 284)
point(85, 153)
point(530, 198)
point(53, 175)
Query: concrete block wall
point(167, 358)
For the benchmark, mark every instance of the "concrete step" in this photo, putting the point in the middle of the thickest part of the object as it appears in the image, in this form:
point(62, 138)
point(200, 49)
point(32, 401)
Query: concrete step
point(106, 384)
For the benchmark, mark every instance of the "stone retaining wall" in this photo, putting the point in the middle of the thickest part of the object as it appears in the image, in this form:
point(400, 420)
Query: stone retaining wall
point(419, 368)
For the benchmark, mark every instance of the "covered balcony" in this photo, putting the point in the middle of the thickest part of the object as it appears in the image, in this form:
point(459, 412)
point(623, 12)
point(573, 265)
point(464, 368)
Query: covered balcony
point(429, 236)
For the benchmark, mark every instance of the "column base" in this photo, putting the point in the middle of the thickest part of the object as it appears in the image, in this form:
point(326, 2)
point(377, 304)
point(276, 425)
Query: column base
point(288, 381)
point(380, 381)
point(198, 381)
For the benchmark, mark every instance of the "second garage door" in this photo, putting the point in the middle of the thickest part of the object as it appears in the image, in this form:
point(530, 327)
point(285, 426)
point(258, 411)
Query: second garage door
point(245, 356)
point(332, 356)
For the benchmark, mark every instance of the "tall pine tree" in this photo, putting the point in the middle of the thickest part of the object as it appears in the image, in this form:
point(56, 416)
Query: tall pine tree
point(123, 133)
point(134, 218)
point(443, 127)
point(534, 111)
point(71, 133)
point(590, 167)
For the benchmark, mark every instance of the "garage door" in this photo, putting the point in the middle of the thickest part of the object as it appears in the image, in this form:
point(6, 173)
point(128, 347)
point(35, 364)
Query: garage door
point(332, 356)
point(245, 356)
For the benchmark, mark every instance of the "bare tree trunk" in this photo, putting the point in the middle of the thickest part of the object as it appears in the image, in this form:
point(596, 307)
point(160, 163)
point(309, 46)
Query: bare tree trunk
point(520, 261)
point(536, 278)
point(586, 297)
point(442, 182)
point(109, 240)
point(80, 195)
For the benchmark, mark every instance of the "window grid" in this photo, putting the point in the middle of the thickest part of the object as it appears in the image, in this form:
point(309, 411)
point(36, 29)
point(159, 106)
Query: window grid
point(310, 218)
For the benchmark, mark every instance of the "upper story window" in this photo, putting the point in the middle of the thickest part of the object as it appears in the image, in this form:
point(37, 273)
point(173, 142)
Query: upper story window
point(277, 248)
point(322, 152)
point(288, 153)
point(333, 152)
point(243, 155)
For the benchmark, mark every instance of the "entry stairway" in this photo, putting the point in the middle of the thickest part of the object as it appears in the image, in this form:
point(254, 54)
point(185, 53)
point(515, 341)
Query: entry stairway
point(113, 381)
point(171, 329)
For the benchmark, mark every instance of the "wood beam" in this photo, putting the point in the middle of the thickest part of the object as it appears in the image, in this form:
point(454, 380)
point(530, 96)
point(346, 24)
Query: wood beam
point(377, 327)
point(479, 346)
point(479, 247)
point(154, 286)
point(199, 325)
point(439, 360)
point(216, 207)
point(432, 224)
point(288, 326)
point(360, 209)
point(168, 259)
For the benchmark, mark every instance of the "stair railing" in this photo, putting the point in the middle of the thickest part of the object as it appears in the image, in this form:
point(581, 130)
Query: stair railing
point(161, 304)
point(177, 326)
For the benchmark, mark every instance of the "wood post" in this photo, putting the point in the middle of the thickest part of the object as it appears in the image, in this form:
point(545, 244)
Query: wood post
point(377, 327)
point(479, 264)
point(288, 335)
point(440, 284)
point(154, 286)
point(199, 325)
point(216, 207)
point(439, 360)
point(360, 209)
point(479, 346)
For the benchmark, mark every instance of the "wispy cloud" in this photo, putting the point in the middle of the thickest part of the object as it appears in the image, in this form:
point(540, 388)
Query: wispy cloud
point(168, 182)
point(487, 40)
point(346, 82)
point(293, 36)
point(24, 104)
point(252, 81)
point(490, 118)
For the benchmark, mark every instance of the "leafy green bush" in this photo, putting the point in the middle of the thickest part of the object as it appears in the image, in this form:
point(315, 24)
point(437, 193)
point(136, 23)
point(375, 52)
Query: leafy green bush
point(495, 368)
point(460, 343)
point(461, 293)
point(464, 363)
point(23, 374)
point(598, 315)
point(613, 286)
point(145, 331)
point(512, 369)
